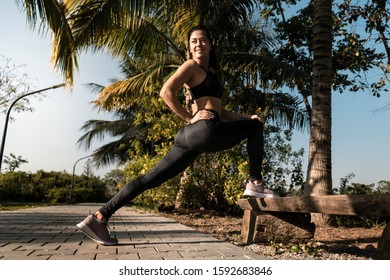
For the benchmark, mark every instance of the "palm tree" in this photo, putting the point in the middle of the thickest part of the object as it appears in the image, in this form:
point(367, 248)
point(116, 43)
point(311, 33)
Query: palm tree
point(319, 173)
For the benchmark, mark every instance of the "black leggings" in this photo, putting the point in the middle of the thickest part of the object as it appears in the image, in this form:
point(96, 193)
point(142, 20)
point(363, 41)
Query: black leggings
point(192, 140)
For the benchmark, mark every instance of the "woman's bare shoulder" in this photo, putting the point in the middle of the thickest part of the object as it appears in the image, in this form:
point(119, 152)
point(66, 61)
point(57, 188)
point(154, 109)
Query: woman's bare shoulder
point(190, 63)
point(187, 69)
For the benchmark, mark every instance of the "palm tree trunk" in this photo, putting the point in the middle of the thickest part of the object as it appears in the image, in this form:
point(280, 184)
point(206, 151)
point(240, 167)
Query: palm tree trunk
point(319, 173)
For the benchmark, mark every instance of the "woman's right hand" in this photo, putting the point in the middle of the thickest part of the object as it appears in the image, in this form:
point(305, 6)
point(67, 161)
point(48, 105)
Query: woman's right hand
point(202, 115)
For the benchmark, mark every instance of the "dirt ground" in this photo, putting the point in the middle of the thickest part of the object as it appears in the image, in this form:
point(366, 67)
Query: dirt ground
point(329, 243)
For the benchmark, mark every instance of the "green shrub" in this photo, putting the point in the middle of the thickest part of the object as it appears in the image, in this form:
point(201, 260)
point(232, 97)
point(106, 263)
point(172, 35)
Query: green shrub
point(349, 188)
point(53, 187)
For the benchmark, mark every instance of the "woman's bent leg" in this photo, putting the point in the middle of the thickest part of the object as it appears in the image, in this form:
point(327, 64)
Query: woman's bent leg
point(176, 161)
point(233, 132)
point(255, 148)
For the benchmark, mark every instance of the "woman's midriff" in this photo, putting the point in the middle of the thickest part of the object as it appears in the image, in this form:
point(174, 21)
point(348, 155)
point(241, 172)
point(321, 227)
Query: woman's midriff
point(208, 103)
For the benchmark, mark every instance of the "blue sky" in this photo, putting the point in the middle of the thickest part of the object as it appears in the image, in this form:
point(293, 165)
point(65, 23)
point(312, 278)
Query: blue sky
point(47, 137)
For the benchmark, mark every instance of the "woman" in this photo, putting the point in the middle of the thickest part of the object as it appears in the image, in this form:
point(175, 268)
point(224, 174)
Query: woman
point(211, 128)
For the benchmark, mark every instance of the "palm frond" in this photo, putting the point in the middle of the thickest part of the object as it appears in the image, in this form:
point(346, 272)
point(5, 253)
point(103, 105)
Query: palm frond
point(231, 13)
point(110, 153)
point(53, 14)
point(264, 69)
point(93, 21)
point(99, 129)
point(221, 17)
point(123, 129)
point(95, 87)
point(287, 111)
point(186, 17)
point(125, 93)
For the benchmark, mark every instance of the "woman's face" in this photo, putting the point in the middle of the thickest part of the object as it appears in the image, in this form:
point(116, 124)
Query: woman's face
point(199, 44)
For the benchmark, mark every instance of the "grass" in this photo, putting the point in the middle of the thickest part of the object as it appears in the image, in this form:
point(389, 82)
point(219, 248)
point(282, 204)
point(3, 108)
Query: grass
point(10, 206)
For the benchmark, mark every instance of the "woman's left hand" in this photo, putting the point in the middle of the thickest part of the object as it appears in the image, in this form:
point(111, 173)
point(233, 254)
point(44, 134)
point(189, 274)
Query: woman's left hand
point(202, 115)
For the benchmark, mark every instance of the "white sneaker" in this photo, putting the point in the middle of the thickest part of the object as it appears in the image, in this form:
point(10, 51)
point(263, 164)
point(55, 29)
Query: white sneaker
point(97, 231)
point(260, 190)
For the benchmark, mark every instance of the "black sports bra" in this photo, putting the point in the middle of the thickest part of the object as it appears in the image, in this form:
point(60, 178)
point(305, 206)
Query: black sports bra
point(209, 87)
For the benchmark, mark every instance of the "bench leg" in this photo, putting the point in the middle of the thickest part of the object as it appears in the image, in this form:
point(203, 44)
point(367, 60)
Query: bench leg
point(248, 226)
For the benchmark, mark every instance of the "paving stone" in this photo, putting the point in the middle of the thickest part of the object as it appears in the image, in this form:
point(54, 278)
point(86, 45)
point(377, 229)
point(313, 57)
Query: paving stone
point(10, 247)
point(130, 256)
point(73, 257)
point(17, 255)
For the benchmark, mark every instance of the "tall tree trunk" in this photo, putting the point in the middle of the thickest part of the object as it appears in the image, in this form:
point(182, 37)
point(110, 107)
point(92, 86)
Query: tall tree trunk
point(319, 173)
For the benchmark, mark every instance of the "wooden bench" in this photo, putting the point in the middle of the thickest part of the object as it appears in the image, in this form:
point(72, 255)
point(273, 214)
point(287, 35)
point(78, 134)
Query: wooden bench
point(300, 207)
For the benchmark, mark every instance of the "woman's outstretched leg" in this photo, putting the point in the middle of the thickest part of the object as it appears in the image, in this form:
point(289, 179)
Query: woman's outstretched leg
point(176, 161)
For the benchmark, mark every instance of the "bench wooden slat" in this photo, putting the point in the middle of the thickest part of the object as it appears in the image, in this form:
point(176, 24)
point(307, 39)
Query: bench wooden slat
point(360, 205)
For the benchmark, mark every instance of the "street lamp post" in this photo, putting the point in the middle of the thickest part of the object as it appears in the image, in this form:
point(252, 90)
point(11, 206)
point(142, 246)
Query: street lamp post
point(73, 174)
point(9, 111)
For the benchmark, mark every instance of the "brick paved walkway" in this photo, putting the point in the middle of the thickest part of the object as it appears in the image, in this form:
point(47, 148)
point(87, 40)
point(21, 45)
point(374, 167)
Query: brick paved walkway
point(50, 233)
